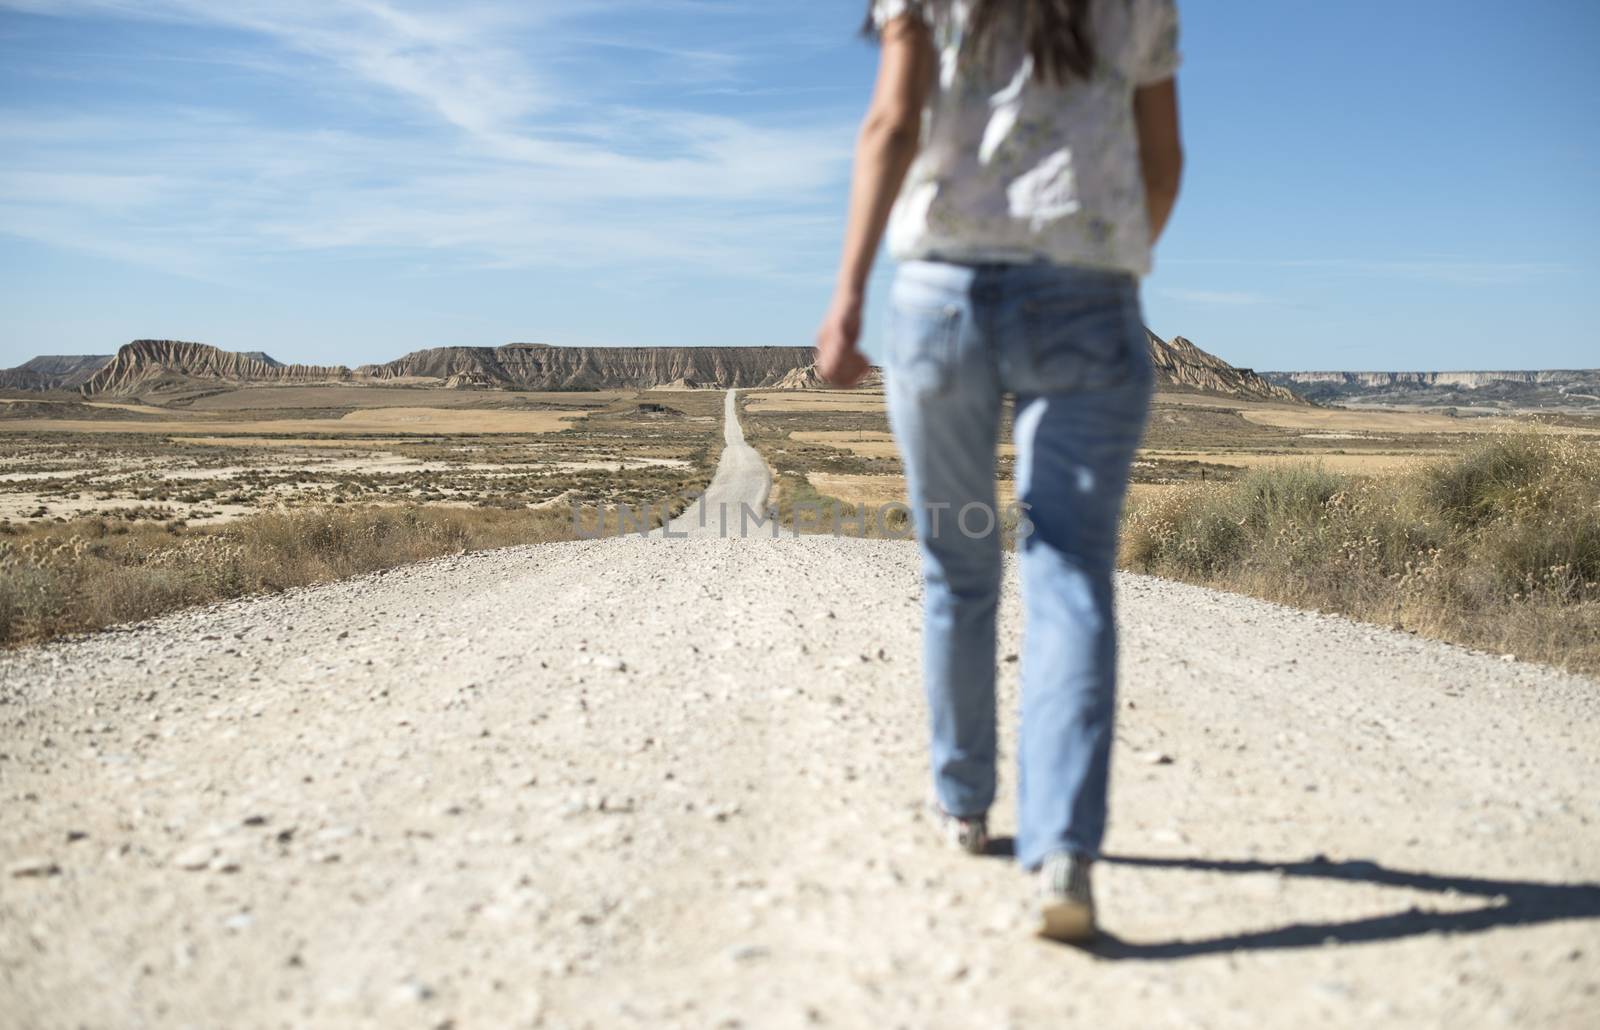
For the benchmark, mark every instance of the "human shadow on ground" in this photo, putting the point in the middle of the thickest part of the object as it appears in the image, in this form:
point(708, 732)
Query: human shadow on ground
point(1506, 903)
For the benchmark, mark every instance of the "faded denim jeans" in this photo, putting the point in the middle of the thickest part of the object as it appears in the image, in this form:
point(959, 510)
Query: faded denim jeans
point(1069, 344)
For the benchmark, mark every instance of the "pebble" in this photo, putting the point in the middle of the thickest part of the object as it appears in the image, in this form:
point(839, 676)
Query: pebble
point(33, 867)
point(195, 858)
point(413, 992)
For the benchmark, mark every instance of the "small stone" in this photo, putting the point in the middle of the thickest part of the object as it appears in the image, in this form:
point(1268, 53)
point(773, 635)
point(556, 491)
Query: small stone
point(239, 922)
point(413, 992)
point(749, 952)
point(32, 867)
point(1156, 758)
point(194, 858)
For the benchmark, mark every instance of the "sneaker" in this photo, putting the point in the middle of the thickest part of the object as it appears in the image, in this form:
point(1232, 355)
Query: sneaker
point(969, 833)
point(1066, 902)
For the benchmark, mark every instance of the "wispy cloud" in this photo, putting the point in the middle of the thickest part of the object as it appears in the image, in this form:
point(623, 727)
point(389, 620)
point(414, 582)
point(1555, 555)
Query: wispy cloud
point(501, 162)
point(1225, 298)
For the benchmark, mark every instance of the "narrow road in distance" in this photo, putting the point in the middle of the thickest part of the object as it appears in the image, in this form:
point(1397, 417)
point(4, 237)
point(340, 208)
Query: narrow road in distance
point(737, 497)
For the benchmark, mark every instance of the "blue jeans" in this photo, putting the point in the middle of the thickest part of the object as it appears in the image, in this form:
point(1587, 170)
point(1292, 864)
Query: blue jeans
point(1069, 344)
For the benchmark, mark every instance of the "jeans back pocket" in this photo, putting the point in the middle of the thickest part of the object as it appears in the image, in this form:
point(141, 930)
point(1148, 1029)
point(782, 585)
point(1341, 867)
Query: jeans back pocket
point(922, 346)
point(1084, 343)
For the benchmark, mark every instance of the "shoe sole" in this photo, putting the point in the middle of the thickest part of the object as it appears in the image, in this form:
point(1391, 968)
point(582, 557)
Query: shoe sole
point(1071, 922)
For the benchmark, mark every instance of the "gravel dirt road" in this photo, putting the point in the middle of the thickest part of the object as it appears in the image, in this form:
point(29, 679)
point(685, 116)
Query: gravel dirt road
point(734, 502)
point(679, 783)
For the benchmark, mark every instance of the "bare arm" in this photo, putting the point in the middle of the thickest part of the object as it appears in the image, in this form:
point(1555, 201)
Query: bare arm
point(1155, 109)
point(884, 151)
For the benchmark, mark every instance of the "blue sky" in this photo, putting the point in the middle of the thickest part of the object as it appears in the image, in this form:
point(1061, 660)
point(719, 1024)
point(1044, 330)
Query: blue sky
point(1372, 185)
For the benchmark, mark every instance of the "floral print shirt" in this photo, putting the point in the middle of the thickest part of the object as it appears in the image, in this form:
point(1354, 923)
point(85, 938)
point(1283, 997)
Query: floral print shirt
point(1017, 169)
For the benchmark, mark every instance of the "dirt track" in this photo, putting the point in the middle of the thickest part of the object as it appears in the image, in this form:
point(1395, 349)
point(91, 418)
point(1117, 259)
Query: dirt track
point(734, 503)
point(679, 783)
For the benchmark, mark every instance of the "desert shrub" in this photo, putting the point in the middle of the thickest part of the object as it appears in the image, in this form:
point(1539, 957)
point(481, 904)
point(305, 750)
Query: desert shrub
point(1487, 480)
point(88, 574)
point(1498, 548)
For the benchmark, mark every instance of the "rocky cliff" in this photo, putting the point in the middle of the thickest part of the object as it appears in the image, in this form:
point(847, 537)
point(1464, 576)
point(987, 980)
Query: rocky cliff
point(151, 366)
point(532, 366)
point(1529, 389)
point(53, 372)
point(1179, 363)
point(808, 378)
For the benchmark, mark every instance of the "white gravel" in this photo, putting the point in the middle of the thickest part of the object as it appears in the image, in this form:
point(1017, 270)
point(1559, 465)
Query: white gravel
point(661, 783)
point(735, 501)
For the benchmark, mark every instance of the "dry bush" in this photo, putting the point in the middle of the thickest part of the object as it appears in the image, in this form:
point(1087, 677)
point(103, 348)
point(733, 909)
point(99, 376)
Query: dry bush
point(93, 573)
point(1498, 548)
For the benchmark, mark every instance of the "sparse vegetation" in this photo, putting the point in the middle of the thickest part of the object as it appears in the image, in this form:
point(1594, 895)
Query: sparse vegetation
point(1497, 548)
point(102, 528)
point(85, 575)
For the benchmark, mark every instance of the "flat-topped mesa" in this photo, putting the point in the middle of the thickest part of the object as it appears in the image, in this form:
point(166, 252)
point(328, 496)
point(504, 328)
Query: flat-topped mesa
point(533, 366)
point(1553, 389)
point(1179, 363)
point(171, 367)
point(1467, 380)
point(53, 372)
point(147, 365)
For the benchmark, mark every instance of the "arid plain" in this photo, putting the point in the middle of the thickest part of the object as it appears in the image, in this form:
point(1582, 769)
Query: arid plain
point(224, 454)
point(678, 783)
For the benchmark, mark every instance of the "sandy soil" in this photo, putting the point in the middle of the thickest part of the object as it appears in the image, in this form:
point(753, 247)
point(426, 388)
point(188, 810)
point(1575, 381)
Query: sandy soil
point(860, 489)
point(392, 421)
point(821, 400)
point(1373, 421)
point(866, 443)
point(279, 397)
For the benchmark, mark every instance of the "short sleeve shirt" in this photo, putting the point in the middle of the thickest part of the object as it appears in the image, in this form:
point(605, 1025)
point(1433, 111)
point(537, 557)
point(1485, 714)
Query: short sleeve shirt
point(1016, 168)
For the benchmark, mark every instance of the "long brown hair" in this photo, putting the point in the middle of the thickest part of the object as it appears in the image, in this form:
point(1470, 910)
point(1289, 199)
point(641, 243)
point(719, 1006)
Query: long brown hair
point(1056, 33)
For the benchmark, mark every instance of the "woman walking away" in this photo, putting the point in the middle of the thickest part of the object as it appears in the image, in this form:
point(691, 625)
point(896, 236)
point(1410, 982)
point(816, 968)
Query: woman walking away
point(1033, 146)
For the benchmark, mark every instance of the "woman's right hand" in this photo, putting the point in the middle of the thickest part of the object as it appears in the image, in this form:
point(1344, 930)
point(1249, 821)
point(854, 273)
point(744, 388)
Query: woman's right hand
point(839, 357)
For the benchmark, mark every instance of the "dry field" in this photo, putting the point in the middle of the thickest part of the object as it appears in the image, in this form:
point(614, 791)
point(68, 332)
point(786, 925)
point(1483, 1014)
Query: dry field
point(113, 512)
point(1320, 508)
point(272, 399)
point(228, 455)
point(1192, 438)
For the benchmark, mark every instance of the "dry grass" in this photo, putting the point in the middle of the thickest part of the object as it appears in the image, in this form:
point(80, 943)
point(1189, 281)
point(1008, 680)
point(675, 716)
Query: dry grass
point(854, 489)
point(1498, 548)
point(270, 398)
point(386, 421)
point(1367, 420)
point(817, 400)
point(94, 573)
point(865, 443)
point(1358, 463)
